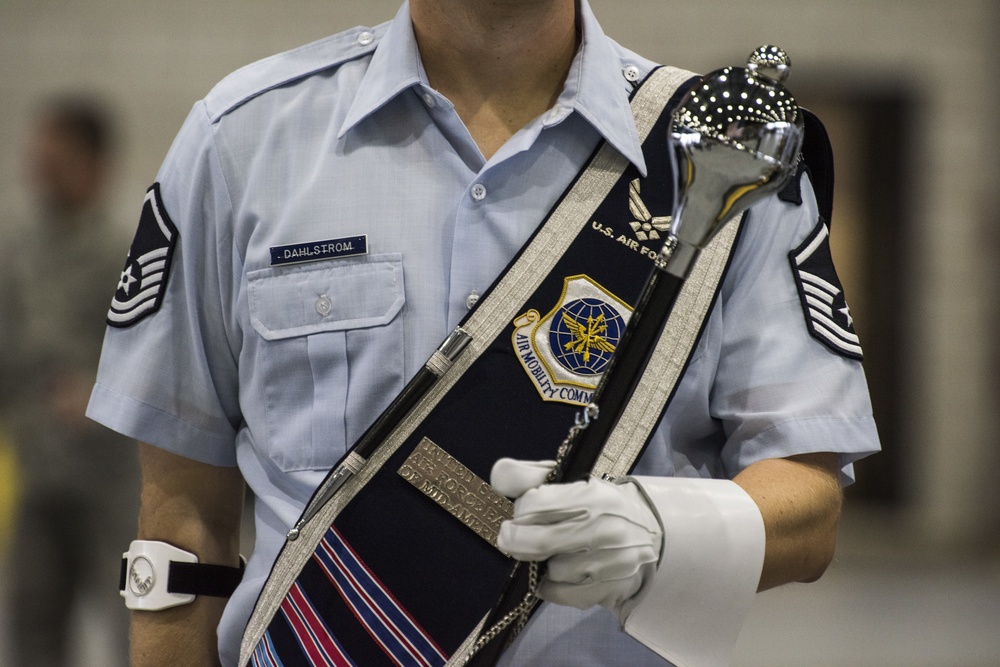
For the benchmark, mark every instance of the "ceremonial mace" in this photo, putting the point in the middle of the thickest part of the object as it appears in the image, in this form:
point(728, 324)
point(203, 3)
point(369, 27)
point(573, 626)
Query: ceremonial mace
point(735, 139)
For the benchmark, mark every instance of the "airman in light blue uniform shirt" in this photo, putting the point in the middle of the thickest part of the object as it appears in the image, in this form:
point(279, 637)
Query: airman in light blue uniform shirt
point(279, 367)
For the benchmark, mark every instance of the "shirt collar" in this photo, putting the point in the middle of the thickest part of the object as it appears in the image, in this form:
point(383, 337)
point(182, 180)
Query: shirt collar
point(395, 67)
point(601, 90)
point(595, 86)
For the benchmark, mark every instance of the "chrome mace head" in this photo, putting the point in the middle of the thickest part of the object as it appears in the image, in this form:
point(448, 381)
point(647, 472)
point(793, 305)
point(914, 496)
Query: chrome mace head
point(770, 64)
point(736, 138)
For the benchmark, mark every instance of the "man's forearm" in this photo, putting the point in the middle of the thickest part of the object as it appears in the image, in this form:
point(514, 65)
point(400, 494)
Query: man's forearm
point(183, 635)
point(198, 508)
point(800, 501)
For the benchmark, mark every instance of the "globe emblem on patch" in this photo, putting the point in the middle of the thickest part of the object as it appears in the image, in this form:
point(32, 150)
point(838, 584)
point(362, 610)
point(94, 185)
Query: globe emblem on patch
point(584, 335)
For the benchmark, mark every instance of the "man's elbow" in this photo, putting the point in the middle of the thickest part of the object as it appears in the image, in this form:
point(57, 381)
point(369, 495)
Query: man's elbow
point(824, 541)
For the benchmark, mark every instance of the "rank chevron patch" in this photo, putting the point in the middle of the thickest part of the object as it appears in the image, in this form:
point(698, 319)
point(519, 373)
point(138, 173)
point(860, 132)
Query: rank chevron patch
point(828, 317)
point(144, 279)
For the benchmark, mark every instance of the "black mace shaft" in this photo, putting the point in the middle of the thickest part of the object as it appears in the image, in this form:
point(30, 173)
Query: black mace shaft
point(625, 370)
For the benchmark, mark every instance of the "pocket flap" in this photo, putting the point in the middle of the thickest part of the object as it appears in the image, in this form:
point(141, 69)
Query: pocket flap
point(288, 302)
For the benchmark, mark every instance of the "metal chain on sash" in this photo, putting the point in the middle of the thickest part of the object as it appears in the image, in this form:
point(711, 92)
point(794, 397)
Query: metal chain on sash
point(522, 612)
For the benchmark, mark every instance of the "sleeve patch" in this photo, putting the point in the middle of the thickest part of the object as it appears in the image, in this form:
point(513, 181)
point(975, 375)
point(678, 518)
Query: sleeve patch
point(144, 279)
point(827, 315)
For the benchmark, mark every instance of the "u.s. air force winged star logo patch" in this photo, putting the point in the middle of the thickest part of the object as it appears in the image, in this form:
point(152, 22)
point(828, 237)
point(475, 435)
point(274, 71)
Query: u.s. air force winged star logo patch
point(144, 279)
point(566, 351)
point(646, 226)
point(828, 317)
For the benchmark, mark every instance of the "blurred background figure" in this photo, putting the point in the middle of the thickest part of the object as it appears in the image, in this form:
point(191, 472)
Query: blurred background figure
point(76, 507)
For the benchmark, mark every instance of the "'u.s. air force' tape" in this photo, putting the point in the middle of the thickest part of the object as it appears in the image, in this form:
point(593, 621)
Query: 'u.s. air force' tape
point(144, 279)
point(827, 314)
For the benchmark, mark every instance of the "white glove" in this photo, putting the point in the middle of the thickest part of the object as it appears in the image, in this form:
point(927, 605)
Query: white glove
point(602, 540)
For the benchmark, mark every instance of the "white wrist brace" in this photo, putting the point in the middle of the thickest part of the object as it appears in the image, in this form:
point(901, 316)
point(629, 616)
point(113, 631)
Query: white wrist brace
point(156, 575)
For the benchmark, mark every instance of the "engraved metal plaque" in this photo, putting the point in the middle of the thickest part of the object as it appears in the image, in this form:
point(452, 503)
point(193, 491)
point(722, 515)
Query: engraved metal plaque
point(443, 479)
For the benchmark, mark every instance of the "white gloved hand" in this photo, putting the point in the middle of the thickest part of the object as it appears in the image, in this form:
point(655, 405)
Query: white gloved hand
point(602, 540)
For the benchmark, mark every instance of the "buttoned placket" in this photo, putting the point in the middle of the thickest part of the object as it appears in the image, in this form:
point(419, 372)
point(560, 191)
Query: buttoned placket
point(467, 280)
point(480, 206)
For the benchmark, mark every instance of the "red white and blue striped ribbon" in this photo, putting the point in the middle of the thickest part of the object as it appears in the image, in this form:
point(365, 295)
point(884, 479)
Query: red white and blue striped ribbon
point(265, 655)
point(313, 635)
point(388, 623)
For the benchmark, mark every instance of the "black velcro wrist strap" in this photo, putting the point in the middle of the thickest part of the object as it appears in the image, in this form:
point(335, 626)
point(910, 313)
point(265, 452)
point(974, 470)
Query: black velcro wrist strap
point(204, 579)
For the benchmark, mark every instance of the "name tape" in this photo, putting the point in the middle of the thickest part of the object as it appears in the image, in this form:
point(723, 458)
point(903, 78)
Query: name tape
point(318, 250)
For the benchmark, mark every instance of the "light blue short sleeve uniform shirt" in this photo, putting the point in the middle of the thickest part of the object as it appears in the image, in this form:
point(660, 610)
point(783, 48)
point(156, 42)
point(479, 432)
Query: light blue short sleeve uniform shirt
point(278, 367)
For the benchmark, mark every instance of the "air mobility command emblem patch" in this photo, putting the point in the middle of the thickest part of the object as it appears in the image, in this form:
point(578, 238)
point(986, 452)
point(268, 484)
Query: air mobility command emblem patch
point(144, 279)
point(566, 351)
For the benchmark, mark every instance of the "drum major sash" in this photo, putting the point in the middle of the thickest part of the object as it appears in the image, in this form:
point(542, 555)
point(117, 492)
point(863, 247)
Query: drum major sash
point(400, 566)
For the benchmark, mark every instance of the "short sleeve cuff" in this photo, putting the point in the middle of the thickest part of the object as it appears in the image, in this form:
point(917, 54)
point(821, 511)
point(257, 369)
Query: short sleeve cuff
point(851, 439)
point(151, 425)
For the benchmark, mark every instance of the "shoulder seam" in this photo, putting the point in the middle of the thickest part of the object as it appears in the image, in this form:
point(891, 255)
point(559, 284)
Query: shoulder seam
point(256, 78)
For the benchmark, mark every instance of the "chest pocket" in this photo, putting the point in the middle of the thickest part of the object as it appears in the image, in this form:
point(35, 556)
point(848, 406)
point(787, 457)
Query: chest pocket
point(330, 347)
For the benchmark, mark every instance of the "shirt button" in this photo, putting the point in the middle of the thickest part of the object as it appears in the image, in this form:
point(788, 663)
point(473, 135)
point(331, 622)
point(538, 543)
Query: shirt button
point(631, 73)
point(366, 38)
point(472, 300)
point(324, 306)
point(479, 192)
point(429, 100)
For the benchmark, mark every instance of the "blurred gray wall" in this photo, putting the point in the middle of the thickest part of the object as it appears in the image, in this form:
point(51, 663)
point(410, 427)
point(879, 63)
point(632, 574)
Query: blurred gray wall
point(153, 59)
